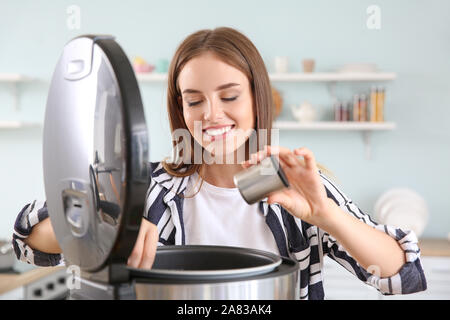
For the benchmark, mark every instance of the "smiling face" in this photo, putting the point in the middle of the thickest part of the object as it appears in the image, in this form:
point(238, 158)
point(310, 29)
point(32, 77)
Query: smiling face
point(217, 97)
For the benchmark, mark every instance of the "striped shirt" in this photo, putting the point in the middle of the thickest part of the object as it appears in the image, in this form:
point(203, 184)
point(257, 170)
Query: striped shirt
point(294, 238)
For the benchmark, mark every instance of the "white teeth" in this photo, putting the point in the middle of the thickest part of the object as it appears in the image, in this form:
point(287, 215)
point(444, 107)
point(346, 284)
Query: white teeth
point(216, 132)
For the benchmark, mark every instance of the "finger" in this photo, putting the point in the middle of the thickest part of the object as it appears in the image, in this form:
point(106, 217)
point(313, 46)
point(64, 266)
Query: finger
point(276, 150)
point(254, 158)
point(294, 162)
point(260, 155)
point(290, 159)
point(310, 161)
point(251, 161)
point(268, 150)
point(150, 244)
point(282, 198)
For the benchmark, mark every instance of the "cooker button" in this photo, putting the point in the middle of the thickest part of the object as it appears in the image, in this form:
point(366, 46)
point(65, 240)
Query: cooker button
point(37, 292)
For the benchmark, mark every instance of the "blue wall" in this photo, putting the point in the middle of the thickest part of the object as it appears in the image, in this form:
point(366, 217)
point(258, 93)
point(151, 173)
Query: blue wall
point(413, 42)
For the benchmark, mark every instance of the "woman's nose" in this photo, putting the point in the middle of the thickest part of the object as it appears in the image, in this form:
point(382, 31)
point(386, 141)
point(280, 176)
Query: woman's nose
point(212, 111)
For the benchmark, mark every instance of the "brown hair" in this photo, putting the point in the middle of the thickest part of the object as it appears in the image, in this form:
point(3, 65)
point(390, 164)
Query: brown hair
point(235, 49)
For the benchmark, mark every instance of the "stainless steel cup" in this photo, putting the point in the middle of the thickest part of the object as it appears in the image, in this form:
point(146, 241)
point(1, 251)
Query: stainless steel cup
point(258, 181)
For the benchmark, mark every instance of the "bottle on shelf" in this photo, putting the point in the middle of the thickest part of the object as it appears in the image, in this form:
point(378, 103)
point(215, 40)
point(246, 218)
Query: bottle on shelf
point(380, 104)
point(341, 111)
point(363, 107)
point(338, 111)
point(356, 108)
point(373, 104)
point(346, 112)
point(360, 104)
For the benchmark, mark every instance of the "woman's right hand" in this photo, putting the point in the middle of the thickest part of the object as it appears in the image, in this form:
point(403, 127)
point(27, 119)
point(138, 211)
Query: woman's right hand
point(144, 250)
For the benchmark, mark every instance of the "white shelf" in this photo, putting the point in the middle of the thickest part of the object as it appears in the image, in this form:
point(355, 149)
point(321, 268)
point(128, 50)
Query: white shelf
point(298, 77)
point(332, 76)
point(334, 125)
point(15, 79)
point(151, 77)
point(365, 127)
point(18, 125)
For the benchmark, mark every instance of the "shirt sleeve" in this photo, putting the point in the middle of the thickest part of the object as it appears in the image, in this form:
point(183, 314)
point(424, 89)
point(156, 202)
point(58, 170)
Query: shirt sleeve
point(28, 217)
point(158, 213)
point(409, 279)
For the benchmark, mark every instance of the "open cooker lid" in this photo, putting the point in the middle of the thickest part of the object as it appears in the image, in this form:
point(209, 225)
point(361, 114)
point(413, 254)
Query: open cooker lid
point(95, 153)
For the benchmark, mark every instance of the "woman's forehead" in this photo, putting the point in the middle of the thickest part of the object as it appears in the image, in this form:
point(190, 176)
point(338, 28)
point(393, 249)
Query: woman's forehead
point(208, 72)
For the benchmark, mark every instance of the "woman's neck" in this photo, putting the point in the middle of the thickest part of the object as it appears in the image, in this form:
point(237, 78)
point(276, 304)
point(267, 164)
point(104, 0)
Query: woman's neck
point(221, 175)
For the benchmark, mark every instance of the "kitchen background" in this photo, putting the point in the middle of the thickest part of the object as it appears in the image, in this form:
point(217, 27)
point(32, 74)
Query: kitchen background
point(411, 40)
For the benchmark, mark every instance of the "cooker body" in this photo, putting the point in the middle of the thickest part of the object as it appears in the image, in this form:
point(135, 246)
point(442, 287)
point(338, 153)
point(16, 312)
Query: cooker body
point(281, 287)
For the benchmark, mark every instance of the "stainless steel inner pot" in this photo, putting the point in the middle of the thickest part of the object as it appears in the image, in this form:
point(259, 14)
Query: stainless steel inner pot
point(216, 272)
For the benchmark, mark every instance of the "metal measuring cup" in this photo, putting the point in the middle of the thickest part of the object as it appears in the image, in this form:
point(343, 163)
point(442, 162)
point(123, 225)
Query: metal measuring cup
point(256, 182)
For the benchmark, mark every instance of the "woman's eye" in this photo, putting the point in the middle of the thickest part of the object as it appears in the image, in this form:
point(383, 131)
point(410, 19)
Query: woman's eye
point(194, 103)
point(230, 99)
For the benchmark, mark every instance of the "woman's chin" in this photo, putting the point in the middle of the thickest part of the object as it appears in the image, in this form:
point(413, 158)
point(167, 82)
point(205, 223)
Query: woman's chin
point(221, 153)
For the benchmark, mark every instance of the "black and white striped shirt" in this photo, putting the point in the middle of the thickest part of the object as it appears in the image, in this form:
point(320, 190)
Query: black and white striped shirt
point(295, 238)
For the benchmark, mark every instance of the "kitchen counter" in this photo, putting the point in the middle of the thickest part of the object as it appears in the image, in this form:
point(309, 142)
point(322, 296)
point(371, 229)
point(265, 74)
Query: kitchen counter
point(9, 282)
point(434, 247)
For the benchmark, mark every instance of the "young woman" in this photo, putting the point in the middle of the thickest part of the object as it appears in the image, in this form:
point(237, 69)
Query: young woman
point(218, 82)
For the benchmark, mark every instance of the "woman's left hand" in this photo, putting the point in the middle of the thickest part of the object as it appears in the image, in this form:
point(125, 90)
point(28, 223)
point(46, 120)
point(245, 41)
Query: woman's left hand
point(306, 196)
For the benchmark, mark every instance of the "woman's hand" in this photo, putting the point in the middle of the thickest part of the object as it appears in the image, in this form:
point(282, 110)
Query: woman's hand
point(306, 196)
point(144, 250)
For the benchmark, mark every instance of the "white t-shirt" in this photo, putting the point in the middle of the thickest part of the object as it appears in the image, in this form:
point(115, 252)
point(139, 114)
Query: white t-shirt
point(220, 216)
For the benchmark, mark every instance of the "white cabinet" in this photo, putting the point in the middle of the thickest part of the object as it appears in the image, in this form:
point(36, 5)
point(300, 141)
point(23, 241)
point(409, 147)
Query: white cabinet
point(341, 284)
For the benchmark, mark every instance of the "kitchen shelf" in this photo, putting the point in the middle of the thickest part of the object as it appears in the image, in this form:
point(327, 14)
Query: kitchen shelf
point(332, 76)
point(365, 127)
point(334, 125)
point(18, 124)
point(298, 77)
point(151, 77)
point(15, 79)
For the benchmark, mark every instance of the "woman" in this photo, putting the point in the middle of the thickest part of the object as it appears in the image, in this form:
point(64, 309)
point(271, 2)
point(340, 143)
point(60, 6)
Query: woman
point(219, 93)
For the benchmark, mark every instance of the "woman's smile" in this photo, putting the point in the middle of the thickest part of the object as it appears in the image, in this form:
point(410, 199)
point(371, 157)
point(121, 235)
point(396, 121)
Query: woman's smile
point(213, 134)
